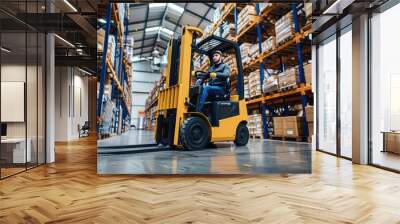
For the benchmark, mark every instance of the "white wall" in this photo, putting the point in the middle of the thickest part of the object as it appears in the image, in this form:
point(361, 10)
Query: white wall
point(142, 83)
point(71, 102)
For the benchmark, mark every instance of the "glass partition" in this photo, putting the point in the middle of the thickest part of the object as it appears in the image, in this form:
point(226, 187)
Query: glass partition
point(22, 88)
point(345, 43)
point(15, 151)
point(385, 89)
point(326, 95)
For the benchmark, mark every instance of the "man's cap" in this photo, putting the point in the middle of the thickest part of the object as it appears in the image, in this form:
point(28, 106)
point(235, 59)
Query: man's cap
point(218, 52)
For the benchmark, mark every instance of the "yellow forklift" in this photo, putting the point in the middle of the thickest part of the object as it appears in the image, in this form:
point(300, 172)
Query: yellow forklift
point(179, 122)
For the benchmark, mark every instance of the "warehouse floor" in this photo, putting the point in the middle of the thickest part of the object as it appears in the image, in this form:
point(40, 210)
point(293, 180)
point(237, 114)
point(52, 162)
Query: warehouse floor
point(258, 157)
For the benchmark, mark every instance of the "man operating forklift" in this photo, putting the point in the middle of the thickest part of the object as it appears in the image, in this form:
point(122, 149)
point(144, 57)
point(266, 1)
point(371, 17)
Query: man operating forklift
point(219, 74)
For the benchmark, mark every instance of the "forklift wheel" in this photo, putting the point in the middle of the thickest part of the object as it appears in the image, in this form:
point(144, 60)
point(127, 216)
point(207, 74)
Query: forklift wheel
point(194, 133)
point(242, 135)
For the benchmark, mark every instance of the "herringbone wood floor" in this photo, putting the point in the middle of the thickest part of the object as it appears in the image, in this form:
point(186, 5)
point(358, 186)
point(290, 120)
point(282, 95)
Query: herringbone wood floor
point(70, 191)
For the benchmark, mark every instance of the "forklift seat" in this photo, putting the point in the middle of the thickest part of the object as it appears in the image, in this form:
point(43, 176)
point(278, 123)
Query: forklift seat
point(225, 97)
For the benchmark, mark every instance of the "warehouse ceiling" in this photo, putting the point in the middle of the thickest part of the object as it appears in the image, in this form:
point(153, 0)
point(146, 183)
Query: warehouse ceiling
point(152, 25)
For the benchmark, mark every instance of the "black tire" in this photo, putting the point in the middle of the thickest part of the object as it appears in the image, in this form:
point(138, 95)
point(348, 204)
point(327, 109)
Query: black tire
point(242, 135)
point(194, 134)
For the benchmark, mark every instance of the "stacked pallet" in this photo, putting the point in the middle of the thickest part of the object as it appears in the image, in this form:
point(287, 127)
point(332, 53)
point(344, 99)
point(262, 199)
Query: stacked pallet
point(308, 10)
point(254, 83)
point(271, 84)
point(246, 16)
point(308, 72)
point(255, 125)
point(269, 44)
point(100, 39)
point(244, 51)
point(246, 87)
point(254, 51)
point(284, 28)
point(264, 6)
point(228, 31)
point(230, 60)
point(288, 79)
point(110, 47)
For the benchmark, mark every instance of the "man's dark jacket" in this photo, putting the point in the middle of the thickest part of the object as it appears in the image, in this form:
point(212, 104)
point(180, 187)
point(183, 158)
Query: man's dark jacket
point(223, 74)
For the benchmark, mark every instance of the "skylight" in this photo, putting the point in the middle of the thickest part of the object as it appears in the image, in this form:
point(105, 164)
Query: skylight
point(167, 31)
point(171, 6)
point(153, 29)
point(156, 5)
point(157, 29)
point(176, 7)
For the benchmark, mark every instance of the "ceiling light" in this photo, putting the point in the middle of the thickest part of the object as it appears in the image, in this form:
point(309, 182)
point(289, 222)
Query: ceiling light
point(176, 7)
point(101, 20)
point(5, 50)
point(70, 5)
point(337, 7)
point(65, 41)
point(156, 5)
point(84, 71)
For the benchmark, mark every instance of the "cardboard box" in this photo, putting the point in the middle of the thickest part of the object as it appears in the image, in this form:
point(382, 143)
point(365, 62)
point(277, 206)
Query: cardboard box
point(310, 128)
point(278, 126)
point(288, 126)
point(309, 113)
point(392, 141)
point(293, 126)
point(308, 72)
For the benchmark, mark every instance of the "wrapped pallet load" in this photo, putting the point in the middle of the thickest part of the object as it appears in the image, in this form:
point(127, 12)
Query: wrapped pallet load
point(288, 78)
point(100, 39)
point(271, 83)
point(121, 14)
point(244, 51)
point(308, 9)
point(254, 83)
point(111, 48)
point(284, 28)
point(255, 125)
point(269, 44)
point(228, 31)
point(254, 51)
point(264, 6)
point(230, 60)
point(246, 15)
point(246, 87)
point(308, 72)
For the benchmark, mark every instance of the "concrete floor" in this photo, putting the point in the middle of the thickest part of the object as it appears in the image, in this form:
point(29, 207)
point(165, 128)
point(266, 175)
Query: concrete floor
point(258, 157)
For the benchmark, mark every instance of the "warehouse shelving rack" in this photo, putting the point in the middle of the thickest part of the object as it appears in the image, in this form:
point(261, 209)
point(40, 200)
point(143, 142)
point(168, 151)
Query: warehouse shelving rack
point(119, 74)
point(264, 101)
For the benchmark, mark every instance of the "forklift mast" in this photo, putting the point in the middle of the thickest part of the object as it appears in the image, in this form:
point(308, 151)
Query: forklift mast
point(172, 99)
